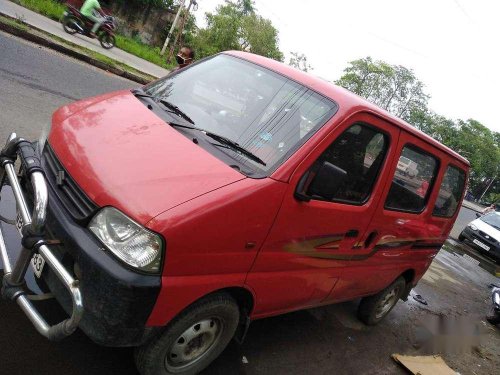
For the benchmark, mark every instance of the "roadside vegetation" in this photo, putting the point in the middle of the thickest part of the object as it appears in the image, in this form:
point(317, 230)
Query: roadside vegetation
point(17, 23)
point(142, 50)
point(48, 8)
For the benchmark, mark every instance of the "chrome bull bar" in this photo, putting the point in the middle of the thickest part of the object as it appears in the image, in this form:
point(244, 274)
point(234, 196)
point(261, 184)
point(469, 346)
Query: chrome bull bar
point(33, 223)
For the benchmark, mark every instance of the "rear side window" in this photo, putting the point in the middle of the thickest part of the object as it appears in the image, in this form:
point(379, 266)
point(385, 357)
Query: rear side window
point(359, 152)
point(450, 192)
point(412, 182)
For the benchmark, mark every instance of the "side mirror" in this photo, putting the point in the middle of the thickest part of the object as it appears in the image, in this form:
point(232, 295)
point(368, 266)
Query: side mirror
point(324, 184)
point(478, 215)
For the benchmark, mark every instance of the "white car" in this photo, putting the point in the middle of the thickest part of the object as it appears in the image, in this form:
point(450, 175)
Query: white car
point(484, 234)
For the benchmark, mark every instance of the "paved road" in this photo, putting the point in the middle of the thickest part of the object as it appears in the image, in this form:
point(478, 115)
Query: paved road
point(328, 340)
point(465, 216)
point(55, 28)
point(34, 81)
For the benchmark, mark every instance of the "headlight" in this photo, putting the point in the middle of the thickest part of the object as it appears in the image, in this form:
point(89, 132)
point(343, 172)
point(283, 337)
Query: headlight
point(496, 297)
point(472, 226)
point(128, 240)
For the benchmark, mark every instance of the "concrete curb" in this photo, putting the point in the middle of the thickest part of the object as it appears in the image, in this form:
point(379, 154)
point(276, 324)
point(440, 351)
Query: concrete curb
point(27, 35)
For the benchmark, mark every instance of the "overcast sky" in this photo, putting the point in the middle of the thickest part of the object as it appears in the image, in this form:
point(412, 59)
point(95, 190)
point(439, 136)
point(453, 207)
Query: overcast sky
point(453, 46)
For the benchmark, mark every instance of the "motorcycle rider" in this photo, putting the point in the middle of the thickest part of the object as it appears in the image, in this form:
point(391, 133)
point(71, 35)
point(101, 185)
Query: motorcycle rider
point(92, 10)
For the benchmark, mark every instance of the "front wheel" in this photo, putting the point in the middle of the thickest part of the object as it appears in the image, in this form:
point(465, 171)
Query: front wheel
point(461, 237)
point(373, 309)
point(192, 340)
point(107, 41)
point(69, 24)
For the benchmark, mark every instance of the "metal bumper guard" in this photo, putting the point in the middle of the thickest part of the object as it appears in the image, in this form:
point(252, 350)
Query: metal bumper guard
point(32, 224)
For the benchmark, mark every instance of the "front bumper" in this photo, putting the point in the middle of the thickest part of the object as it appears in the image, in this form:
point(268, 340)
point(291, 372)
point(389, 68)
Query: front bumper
point(114, 302)
point(471, 235)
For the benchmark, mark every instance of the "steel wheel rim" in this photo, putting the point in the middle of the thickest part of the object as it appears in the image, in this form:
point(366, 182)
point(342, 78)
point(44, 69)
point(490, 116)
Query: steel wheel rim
point(387, 303)
point(194, 344)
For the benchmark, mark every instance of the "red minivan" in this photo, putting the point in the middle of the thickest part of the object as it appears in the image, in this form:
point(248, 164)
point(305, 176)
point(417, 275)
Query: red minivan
point(171, 216)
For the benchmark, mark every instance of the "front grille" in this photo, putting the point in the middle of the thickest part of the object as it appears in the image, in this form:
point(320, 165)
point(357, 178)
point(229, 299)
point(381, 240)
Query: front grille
point(481, 236)
point(69, 193)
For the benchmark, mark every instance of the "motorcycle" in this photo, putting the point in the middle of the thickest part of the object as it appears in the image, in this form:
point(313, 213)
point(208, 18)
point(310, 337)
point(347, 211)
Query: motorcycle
point(74, 22)
point(493, 315)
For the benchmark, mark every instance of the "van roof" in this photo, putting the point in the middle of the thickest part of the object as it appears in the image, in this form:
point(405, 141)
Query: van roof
point(344, 98)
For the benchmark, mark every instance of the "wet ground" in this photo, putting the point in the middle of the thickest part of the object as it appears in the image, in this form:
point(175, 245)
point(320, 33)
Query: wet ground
point(328, 340)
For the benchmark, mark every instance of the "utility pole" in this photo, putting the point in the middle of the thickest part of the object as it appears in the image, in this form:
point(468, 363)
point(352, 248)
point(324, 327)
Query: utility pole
point(181, 28)
point(487, 188)
point(165, 45)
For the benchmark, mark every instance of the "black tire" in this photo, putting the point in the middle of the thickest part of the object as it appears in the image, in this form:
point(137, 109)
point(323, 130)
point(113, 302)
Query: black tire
point(461, 237)
point(158, 357)
point(373, 309)
point(107, 41)
point(67, 24)
point(493, 316)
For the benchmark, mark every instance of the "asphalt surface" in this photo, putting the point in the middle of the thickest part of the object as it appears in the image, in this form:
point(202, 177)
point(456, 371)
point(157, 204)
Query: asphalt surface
point(327, 340)
point(465, 216)
point(35, 81)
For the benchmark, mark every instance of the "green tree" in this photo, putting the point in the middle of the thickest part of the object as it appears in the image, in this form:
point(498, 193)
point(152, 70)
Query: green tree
point(299, 61)
point(237, 26)
point(392, 87)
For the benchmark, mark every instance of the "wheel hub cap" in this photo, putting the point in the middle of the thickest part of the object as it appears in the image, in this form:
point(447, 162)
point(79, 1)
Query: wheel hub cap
point(386, 303)
point(193, 344)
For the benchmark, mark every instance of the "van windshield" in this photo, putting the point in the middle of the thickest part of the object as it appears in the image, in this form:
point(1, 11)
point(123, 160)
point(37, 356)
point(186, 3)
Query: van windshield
point(263, 112)
point(492, 219)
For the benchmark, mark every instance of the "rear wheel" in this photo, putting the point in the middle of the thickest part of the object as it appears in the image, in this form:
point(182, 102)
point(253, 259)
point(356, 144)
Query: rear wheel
point(69, 24)
point(373, 309)
point(107, 40)
point(192, 340)
point(461, 237)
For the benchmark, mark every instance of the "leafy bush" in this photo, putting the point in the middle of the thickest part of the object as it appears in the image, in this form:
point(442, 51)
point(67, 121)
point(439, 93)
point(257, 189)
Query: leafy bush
point(48, 8)
point(142, 50)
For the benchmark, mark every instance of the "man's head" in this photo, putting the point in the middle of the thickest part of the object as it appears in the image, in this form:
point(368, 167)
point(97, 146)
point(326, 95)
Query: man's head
point(185, 56)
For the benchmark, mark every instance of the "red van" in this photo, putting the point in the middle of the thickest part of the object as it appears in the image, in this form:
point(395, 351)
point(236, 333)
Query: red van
point(169, 217)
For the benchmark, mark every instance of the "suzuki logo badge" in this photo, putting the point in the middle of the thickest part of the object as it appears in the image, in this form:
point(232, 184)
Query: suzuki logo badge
point(60, 178)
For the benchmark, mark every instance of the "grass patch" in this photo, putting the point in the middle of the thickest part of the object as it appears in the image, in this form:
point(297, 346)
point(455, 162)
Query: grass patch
point(151, 54)
point(48, 8)
point(18, 24)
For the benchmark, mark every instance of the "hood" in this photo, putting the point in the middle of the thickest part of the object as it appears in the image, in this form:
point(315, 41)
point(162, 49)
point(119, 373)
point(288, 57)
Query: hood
point(122, 155)
point(488, 229)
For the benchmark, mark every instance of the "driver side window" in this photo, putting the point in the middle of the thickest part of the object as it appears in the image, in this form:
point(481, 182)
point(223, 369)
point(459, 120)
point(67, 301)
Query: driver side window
point(355, 158)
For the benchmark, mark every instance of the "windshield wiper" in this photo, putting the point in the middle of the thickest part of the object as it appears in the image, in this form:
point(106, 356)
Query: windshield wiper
point(224, 142)
point(235, 146)
point(172, 107)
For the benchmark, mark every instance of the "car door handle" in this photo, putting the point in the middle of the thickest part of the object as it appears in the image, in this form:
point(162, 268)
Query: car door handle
point(352, 233)
point(370, 238)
